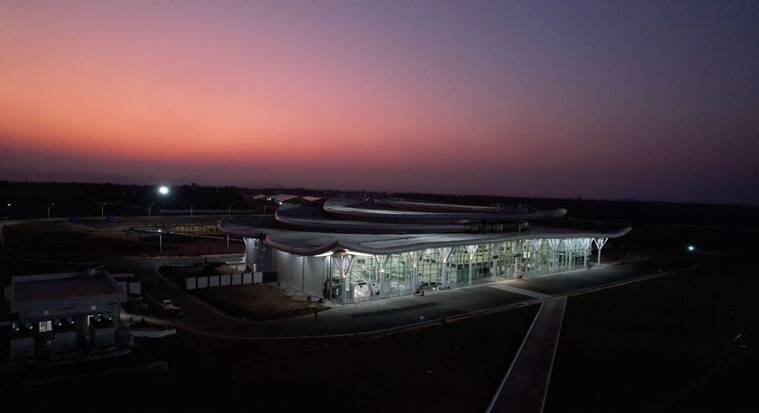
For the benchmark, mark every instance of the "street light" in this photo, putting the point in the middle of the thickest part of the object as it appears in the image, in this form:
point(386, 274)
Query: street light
point(164, 191)
point(160, 241)
point(49, 207)
point(192, 205)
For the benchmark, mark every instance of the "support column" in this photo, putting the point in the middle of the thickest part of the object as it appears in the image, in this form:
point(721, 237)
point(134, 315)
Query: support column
point(445, 253)
point(585, 246)
point(471, 252)
point(553, 251)
point(535, 245)
point(251, 251)
point(328, 262)
point(518, 245)
point(381, 261)
point(600, 242)
point(344, 264)
point(494, 251)
point(571, 243)
point(414, 256)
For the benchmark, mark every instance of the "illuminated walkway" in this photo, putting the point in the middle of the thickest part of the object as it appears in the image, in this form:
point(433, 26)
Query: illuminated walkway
point(525, 385)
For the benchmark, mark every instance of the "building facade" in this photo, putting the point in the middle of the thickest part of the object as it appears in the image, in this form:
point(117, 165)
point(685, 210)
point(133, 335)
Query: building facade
point(64, 314)
point(351, 251)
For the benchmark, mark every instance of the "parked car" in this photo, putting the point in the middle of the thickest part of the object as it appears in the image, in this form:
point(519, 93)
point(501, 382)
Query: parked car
point(172, 309)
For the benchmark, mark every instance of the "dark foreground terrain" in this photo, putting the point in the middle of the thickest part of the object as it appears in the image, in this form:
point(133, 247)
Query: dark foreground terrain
point(686, 341)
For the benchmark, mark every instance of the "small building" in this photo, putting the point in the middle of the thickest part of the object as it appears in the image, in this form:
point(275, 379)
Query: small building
point(282, 198)
point(55, 314)
point(129, 283)
point(312, 199)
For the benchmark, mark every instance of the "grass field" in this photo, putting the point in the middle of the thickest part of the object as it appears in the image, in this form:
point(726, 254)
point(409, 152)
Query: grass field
point(455, 367)
point(73, 242)
point(654, 345)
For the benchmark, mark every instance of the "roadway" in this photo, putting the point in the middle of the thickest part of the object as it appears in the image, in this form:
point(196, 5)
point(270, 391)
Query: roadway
point(391, 313)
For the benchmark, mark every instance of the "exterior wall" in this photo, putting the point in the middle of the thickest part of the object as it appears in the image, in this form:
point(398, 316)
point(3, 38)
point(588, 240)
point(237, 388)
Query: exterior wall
point(307, 274)
point(65, 342)
point(381, 276)
point(258, 257)
point(22, 347)
point(47, 327)
point(65, 307)
point(105, 337)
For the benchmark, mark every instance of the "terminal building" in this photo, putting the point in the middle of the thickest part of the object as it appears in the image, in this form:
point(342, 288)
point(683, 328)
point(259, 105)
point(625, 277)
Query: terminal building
point(348, 250)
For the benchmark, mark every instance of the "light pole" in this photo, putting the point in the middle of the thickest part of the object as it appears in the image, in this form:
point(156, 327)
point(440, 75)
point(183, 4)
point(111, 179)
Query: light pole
point(160, 241)
point(102, 210)
point(150, 209)
point(49, 207)
point(192, 205)
point(229, 210)
point(6, 206)
point(163, 190)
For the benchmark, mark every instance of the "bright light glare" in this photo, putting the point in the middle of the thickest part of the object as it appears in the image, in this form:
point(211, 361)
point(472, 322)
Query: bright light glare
point(691, 248)
point(163, 190)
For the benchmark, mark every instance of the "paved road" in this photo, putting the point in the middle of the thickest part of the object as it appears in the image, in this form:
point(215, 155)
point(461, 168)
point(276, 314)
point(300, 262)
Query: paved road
point(525, 384)
point(380, 314)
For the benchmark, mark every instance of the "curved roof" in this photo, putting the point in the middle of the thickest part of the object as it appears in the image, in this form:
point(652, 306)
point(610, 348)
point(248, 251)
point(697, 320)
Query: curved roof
point(440, 207)
point(362, 226)
point(316, 219)
point(320, 243)
point(437, 213)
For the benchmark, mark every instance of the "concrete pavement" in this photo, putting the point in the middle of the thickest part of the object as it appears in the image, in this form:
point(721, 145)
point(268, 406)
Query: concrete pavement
point(525, 385)
point(384, 314)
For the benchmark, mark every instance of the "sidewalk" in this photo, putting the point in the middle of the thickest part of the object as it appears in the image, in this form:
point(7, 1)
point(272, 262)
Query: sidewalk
point(525, 385)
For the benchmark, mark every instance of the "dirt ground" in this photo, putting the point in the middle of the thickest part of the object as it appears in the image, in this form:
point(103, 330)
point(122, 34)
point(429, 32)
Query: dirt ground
point(257, 302)
point(251, 302)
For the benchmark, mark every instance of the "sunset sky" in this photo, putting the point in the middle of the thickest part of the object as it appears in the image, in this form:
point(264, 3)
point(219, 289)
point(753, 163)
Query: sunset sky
point(650, 100)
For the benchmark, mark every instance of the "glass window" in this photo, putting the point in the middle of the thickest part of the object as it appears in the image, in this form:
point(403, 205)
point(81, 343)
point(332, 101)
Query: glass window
point(45, 326)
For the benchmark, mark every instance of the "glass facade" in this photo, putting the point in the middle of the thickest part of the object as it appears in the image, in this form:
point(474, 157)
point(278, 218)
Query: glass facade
point(363, 277)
